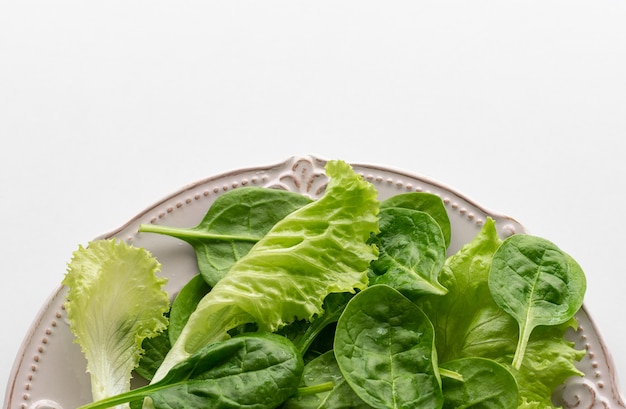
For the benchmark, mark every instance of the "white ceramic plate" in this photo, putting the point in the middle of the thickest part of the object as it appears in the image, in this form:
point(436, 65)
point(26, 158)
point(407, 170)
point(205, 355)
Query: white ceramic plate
point(49, 371)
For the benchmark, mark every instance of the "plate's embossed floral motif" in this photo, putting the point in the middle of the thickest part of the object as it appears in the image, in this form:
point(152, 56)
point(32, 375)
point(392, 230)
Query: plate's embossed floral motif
point(302, 175)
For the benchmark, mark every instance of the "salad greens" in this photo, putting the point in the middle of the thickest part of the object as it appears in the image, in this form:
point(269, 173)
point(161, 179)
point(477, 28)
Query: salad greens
point(468, 323)
point(114, 302)
point(355, 304)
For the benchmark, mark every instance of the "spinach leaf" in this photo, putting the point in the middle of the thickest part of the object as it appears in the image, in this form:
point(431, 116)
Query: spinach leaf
point(234, 222)
point(536, 283)
point(254, 371)
point(485, 385)
point(185, 303)
point(412, 252)
point(320, 370)
point(425, 202)
point(384, 346)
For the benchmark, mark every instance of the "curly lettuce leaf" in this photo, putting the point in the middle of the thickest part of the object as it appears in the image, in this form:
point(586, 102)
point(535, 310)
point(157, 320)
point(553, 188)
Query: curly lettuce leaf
point(548, 361)
point(469, 323)
point(318, 249)
point(114, 302)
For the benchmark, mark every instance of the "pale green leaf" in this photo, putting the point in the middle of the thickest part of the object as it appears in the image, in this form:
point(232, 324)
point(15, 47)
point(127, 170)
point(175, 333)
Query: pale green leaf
point(114, 302)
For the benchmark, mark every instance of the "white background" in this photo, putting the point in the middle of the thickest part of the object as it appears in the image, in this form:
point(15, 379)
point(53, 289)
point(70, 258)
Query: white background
point(106, 107)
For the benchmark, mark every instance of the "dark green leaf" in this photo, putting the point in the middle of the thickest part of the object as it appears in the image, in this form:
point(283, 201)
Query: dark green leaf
point(536, 283)
point(384, 346)
point(412, 252)
point(320, 370)
point(155, 350)
point(185, 303)
point(425, 202)
point(486, 385)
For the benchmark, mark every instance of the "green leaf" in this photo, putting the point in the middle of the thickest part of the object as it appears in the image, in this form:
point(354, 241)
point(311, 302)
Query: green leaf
point(412, 252)
point(114, 302)
point(384, 346)
point(233, 224)
point(537, 284)
point(185, 304)
point(425, 202)
point(486, 385)
point(320, 370)
point(255, 371)
point(316, 250)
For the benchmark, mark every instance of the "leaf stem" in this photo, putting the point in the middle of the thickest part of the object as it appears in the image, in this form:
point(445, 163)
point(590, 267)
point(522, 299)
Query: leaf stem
point(451, 374)
point(522, 343)
point(186, 233)
point(313, 389)
point(112, 401)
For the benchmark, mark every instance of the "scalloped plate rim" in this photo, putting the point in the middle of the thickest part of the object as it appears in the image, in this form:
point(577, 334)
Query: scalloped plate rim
point(28, 339)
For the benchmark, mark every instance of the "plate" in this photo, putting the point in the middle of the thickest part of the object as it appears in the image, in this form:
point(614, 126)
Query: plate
point(49, 371)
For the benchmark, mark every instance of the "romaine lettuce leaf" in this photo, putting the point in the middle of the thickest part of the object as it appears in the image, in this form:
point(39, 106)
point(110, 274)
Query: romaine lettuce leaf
point(318, 249)
point(114, 302)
